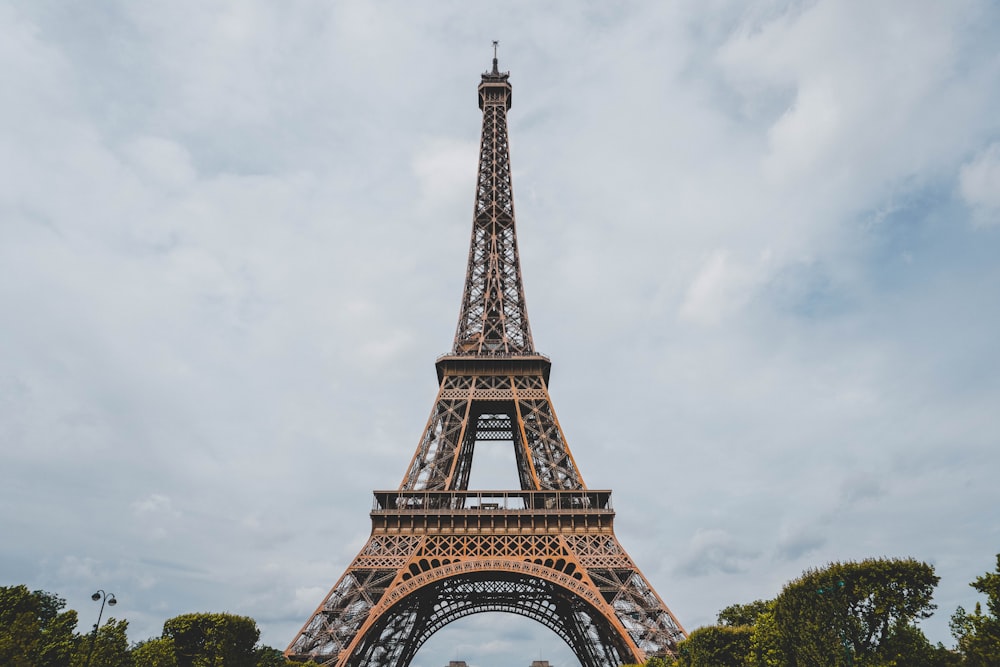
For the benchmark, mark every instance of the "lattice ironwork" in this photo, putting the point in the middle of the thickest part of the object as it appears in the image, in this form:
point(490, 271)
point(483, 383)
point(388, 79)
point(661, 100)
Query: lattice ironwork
point(476, 408)
point(493, 546)
point(493, 320)
point(553, 463)
point(435, 458)
point(599, 551)
point(439, 551)
point(346, 608)
point(397, 636)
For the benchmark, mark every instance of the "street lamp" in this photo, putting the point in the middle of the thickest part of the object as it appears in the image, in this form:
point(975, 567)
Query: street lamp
point(108, 598)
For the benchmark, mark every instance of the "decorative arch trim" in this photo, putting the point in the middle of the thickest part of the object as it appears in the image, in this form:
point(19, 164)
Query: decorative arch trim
point(411, 585)
point(592, 611)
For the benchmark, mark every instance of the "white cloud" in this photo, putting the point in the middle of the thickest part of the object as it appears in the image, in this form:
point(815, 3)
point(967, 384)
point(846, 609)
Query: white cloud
point(154, 503)
point(232, 242)
point(979, 183)
point(443, 171)
point(721, 288)
point(801, 137)
point(795, 544)
point(714, 551)
point(162, 161)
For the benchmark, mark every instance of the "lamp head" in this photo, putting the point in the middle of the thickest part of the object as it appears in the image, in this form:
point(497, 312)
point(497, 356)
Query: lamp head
point(95, 597)
point(112, 601)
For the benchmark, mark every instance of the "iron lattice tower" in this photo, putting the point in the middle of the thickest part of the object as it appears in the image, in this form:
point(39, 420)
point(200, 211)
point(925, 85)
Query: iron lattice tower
point(440, 551)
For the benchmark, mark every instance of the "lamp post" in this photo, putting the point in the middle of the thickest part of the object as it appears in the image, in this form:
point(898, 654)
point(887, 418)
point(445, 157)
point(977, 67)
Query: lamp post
point(108, 598)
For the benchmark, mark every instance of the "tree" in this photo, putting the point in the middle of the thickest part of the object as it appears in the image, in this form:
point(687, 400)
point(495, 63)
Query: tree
point(157, 652)
point(110, 647)
point(743, 614)
point(209, 640)
point(212, 640)
point(841, 614)
point(907, 646)
point(715, 646)
point(652, 662)
point(765, 641)
point(978, 634)
point(33, 630)
point(265, 656)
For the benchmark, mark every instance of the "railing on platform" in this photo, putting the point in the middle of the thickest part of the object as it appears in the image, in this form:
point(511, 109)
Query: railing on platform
point(492, 501)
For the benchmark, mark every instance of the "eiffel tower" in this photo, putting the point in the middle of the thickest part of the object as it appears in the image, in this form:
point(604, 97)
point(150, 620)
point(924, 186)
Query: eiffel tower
point(440, 551)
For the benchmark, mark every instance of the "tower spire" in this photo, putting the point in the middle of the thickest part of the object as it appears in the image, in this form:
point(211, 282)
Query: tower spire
point(493, 319)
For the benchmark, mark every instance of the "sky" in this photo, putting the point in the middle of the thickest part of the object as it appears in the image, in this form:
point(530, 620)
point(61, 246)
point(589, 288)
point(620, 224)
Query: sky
point(759, 243)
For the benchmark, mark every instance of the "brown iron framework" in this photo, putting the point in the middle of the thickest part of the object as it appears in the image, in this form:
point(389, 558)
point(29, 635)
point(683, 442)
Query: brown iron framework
point(440, 551)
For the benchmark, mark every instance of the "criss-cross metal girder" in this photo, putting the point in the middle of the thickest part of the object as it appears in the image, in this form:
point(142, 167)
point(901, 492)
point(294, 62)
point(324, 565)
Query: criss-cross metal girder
point(439, 551)
point(493, 320)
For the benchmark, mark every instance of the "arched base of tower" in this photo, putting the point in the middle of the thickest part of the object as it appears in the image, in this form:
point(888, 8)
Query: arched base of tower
point(395, 637)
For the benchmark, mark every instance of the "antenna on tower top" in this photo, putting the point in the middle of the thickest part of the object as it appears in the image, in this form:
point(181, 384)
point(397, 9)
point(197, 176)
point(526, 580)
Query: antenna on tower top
point(495, 68)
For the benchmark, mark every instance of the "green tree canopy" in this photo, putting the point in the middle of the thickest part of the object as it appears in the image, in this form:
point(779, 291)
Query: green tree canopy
point(743, 614)
point(109, 647)
point(265, 656)
point(978, 634)
point(34, 632)
point(652, 662)
point(158, 652)
point(715, 646)
point(908, 647)
point(213, 640)
point(765, 640)
point(841, 614)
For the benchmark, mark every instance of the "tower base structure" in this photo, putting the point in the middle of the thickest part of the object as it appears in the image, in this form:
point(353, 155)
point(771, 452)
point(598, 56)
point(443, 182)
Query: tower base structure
point(437, 556)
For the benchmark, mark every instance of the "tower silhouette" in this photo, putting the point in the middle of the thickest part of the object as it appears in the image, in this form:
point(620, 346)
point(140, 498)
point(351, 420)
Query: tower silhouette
point(440, 551)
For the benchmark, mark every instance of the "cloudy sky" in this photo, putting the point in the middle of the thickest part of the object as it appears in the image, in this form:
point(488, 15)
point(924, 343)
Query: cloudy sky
point(759, 244)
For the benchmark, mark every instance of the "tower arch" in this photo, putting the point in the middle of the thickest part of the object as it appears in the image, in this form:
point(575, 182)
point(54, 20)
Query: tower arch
point(447, 594)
